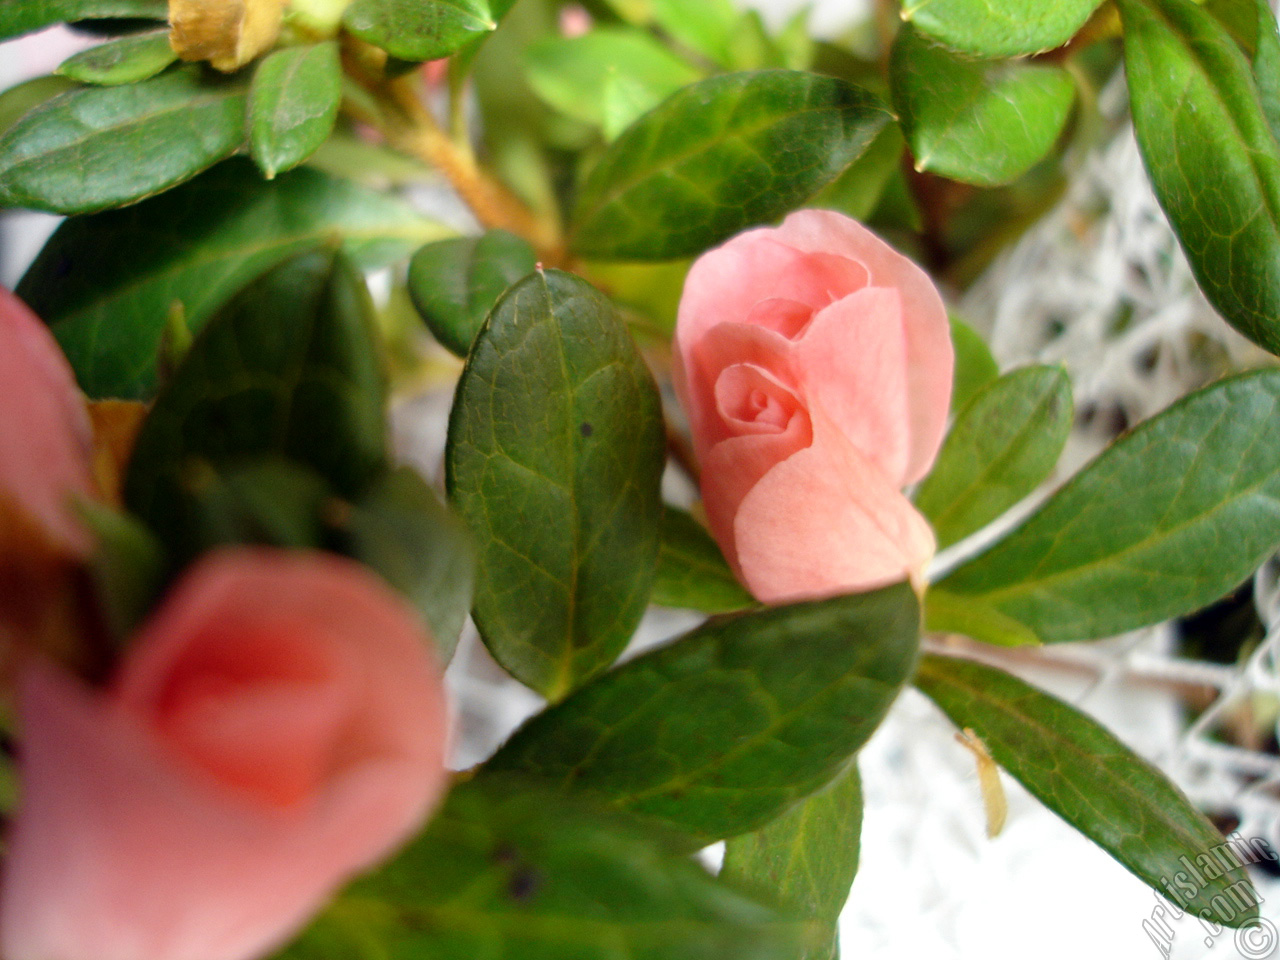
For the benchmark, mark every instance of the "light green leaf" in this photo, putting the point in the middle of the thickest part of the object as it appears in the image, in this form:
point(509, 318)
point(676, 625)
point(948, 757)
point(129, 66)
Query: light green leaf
point(288, 368)
point(403, 531)
point(555, 454)
point(98, 147)
point(127, 568)
point(970, 616)
point(999, 28)
point(454, 283)
point(704, 27)
point(1170, 517)
point(718, 156)
point(26, 16)
point(807, 858)
point(293, 105)
point(1003, 444)
point(975, 366)
point(128, 59)
point(692, 573)
point(573, 74)
point(726, 728)
point(1077, 769)
point(107, 284)
point(507, 871)
point(983, 123)
point(858, 190)
point(20, 100)
point(1211, 155)
point(419, 29)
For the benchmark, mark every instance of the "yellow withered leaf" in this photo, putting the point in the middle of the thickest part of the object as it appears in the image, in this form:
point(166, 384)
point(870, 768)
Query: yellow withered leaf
point(227, 33)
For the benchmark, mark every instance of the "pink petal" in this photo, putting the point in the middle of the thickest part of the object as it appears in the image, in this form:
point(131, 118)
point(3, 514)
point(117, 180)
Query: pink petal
point(727, 345)
point(733, 467)
point(930, 358)
point(46, 440)
point(826, 521)
point(854, 363)
point(140, 838)
point(725, 284)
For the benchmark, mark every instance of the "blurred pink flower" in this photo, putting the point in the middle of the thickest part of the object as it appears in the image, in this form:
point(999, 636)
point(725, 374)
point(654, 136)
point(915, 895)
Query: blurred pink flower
point(815, 365)
point(277, 726)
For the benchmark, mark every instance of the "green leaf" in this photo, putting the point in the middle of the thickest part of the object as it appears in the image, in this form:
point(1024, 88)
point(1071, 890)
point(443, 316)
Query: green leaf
point(1004, 443)
point(999, 28)
point(718, 156)
point(128, 59)
point(807, 858)
point(692, 572)
point(402, 530)
point(975, 366)
point(970, 617)
point(978, 122)
point(454, 283)
point(858, 190)
point(26, 16)
point(98, 147)
point(18, 101)
point(1253, 26)
point(289, 368)
point(265, 500)
point(127, 568)
point(107, 284)
point(293, 105)
point(705, 27)
point(726, 728)
point(1212, 158)
point(1170, 517)
point(555, 454)
point(573, 74)
point(1077, 769)
point(419, 29)
point(507, 872)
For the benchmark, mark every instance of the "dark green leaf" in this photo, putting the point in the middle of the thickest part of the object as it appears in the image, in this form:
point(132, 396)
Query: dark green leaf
point(107, 284)
point(692, 572)
point(858, 190)
point(575, 74)
point(508, 872)
point(977, 122)
point(403, 531)
point(975, 367)
point(289, 368)
point(723, 730)
point(454, 283)
point(1211, 155)
point(267, 500)
point(18, 101)
point(419, 29)
point(807, 858)
point(1167, 519)
point(129, 59)
point(1077, 769)
point(1253, 26)
point(127, 568)
point(98, 147)
point(26, 16)
point(293, 105)
point(720, 155)
point(1003, 444)
point(999, 28)
point(555, 453)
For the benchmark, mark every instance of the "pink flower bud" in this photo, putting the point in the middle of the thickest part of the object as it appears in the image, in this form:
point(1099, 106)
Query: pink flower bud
point(46, 441)
point(815, 365)
point(277, 726)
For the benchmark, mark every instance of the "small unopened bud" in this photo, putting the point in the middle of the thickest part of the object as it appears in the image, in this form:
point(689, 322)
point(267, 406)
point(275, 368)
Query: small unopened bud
point(227, 33)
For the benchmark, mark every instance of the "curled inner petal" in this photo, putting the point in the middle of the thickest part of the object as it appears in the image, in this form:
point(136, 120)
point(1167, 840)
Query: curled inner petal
point(787, 317)
point(751, 401)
